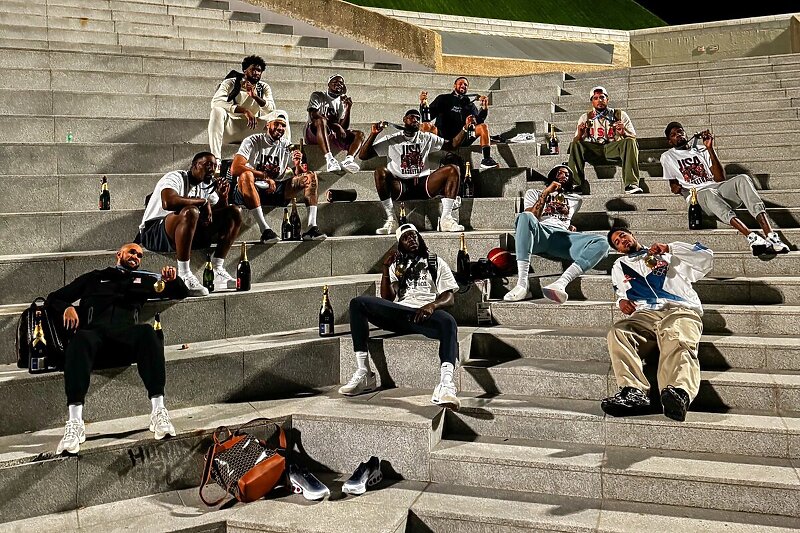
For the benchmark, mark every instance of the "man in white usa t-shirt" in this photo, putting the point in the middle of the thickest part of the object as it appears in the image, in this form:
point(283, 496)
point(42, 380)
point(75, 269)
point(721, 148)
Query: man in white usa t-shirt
point(698, 167)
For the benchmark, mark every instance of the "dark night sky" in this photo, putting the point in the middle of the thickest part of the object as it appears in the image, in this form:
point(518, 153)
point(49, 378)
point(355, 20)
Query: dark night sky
point(689, 12)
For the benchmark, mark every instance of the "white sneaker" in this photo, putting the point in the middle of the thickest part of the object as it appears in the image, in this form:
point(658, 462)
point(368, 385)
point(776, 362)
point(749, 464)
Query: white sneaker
point(360, 383)
point(195, 287)
point(758, 245)
point(350, 165)
point(449, 224)
point(457, 203)
point(777, 244)
point(366, 475)
point(387, 228)
point(160, 424)
point(555, 293)
point(74, 436)
point(445, 395)
point(333, 165)
point(516, 294)
point(223, 280)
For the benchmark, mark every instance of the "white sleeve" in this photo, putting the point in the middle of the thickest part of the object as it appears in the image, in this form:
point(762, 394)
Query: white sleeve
point(381, 146)
point(392, 276)
point(618, 282)
point(530, 198)
point(174, 181)
point(694, 260)
point(628, 125)
point(213, 198)
point(445, 281)
point(574, 202)
point(436, 142)
point(269, 101)
point(220, 98)
point(246, 149)
point(670, 167)
point(581, 120)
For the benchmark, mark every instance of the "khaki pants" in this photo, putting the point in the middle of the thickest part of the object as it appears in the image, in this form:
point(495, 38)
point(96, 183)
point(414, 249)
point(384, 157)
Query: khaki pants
point(226, 128)
point(624, 152)
point(675, 332)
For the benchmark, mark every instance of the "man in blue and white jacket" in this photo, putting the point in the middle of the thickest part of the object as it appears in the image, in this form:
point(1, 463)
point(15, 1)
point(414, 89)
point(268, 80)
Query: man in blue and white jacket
point(654, 288)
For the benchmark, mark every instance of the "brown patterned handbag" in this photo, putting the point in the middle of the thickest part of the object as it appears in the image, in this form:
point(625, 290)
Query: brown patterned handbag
point(245, 466)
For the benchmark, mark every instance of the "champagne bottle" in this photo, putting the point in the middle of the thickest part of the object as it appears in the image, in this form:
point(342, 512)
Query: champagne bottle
point(326, 318)
point(157, 327)
point(294, 219)
point(243, 271)
point(425, 111)
point(37, 358)
point(304, 160)
point(462, 261)
point(695, 212)
point(467, 185)
point(286, 226)
point(105, 196)
point(552, 143)
point(403, 216)
point(208, 275)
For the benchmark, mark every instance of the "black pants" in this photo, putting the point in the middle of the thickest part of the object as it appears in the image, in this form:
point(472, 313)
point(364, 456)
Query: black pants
point(397, 318)
point(116, 347)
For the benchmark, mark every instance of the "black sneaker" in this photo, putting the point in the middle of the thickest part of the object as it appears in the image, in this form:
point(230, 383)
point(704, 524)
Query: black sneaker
point(313, 234)
point(675, 402)
point(487, 163)
point(633, 189)
point(269, 237)
point(366, 475)
point(628, 401)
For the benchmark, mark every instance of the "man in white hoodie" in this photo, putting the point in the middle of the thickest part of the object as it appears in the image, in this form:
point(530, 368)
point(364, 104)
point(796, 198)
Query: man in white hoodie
point(654, 288)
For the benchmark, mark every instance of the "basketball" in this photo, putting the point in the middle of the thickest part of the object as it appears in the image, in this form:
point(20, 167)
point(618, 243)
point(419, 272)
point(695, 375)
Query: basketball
point(502, 260)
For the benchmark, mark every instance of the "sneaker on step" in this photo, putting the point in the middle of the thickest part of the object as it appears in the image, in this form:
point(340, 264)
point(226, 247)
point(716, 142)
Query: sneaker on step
point(457, 203)
point(516, 294)
point(675, 402)
point(487, 163)
point(366, 475)
point(313, 234)
point(555, 293)
point(350, 165)
point(333, 165)
point(758, 245)
point(449, 224)
point(387, 228)
point(628, 401)
point(360, 383)
point(304, 482)
point(74, 436)
point(445, 395)
point(778, 246)
point(223, 281)
point(268, 236)
point(160, 424)
point(633, 189)
point(193, 284)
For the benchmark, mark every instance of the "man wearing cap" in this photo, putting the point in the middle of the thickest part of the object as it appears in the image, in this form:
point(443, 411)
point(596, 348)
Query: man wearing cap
point(407, 175)
point(328, 125)
point(240, 105)
point(605, 136)
point(450, 112)
point(268, 173)
point(545, 227)
point(423, 285)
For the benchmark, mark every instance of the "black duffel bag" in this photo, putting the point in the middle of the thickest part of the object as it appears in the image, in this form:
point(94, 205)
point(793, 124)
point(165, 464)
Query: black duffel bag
point(41, 339)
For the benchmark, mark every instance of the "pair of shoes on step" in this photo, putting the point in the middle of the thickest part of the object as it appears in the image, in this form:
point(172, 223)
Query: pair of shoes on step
point(363, 381)
point(553, 292)
point(303, 482)
point(630, 401)
point(75, 431)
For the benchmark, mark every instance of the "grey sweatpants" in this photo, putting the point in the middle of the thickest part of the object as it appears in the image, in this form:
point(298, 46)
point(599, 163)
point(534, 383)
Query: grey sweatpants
point(721, 200)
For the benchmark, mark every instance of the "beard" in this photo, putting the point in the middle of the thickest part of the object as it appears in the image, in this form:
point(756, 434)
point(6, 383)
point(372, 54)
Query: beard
point(410, 131)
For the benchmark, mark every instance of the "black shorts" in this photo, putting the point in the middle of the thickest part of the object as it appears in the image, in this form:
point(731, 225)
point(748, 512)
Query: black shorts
point(411, 188)
point(154, 237)
point(277, 198)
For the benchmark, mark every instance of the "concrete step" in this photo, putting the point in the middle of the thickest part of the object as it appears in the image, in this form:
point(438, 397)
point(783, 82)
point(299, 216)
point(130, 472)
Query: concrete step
point(230, 314)
point(706, 114)
point(782, 217)
point(709, 481)
point(101, 230)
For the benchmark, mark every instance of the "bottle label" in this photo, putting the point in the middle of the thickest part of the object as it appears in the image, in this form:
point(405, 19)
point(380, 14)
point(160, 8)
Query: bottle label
point(326, 329)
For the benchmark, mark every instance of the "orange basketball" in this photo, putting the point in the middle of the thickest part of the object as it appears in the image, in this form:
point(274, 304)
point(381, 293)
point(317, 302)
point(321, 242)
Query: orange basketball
point(502, 260)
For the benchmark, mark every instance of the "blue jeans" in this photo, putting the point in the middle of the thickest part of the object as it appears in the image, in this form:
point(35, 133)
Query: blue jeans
point(533, 237)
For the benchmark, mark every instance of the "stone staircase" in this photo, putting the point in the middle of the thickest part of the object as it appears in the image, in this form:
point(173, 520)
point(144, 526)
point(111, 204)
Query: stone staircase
point(530, 450)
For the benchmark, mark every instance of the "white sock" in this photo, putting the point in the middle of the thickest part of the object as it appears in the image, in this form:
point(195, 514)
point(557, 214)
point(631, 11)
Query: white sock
point(184, 269)
point(362, 361)
point(328, 156)
point(522, 273)
point(447, 373)
point(312, 215)
point(260, 220)
point(447, 207)
point(218, 263)
point(157, 402)
point(569, 274)
point(389, 208)
point(75, 411)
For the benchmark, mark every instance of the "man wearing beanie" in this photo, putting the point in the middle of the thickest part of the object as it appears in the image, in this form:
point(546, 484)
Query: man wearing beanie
point(605, 136)
point(422, 285)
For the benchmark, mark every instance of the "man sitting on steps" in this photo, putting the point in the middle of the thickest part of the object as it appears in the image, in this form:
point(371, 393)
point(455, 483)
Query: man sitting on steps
point(407, 175)
point(328, 125)
point(698, 167)
point(654, 288)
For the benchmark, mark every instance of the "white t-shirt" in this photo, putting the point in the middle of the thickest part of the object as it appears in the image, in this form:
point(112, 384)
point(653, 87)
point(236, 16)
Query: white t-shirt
point(420, 289)
point(243, 99)
point(267, 155)
point(177, 180)
point(329, 107)
point(691, 168)
point(408, 158)
point(558, 210)
point(602, 127)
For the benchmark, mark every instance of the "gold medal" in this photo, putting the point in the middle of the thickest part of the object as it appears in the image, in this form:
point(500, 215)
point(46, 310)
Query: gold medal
point(159, 285)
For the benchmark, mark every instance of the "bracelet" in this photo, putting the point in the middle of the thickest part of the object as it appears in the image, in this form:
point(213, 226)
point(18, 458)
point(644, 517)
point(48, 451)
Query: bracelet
point(465, 130)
